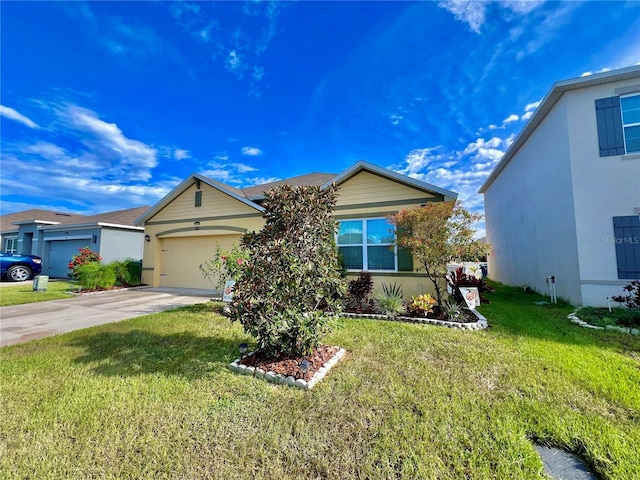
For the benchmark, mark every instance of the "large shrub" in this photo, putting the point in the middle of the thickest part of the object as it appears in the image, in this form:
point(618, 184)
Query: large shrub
point(95, 275)
point(84, 255)
point(290, 293)
point(128, 272)
point(225, 265)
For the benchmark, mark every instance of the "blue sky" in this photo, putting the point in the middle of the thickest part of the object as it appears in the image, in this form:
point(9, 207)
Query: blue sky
point(109, 105)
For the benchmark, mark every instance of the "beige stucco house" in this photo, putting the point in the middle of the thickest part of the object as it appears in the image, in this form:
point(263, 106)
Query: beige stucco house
point(182, 229)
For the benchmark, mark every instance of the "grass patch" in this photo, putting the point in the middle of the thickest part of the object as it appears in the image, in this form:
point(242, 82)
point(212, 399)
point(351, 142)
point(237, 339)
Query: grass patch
point(153, 396)
point(20, 294)
point(623, 317)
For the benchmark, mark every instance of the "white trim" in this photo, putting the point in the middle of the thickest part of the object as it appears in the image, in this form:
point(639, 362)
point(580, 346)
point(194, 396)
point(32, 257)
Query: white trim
point(624, 125)
point(70, 237)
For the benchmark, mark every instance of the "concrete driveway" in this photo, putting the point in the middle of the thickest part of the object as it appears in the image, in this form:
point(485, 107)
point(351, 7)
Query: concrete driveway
point(21, 323)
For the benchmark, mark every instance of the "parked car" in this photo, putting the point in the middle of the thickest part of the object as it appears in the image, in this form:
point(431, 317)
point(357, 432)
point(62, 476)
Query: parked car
point(16, 267)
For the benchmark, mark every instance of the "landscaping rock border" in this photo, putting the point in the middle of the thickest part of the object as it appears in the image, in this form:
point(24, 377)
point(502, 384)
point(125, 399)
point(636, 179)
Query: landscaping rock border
point(480, 324)
point(110, 290)
point(574, 318)
point(279, 379)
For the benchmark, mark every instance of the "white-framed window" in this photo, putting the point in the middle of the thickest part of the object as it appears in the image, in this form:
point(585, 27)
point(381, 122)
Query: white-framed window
point(367, 244)
point(11, 244)
point(630, 109)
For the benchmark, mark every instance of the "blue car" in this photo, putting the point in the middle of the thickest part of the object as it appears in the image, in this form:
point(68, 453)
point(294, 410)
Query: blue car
point(17, 268)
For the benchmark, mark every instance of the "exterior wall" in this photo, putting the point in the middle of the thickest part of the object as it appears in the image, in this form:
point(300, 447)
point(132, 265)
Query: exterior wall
point(367, 195)
point(412, 284)
point(117, 244)
point(529, 211)
point(219, 215)
point(603, 187)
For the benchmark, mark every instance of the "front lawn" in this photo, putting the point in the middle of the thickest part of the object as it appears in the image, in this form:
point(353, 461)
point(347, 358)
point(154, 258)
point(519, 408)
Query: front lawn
point(153, 397)
point(601, 317)
point(20, 294)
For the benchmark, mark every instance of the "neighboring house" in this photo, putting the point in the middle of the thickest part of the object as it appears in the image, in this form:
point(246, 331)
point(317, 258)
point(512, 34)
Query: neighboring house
point(183, 228)
point(57, 236)
point(565, 198)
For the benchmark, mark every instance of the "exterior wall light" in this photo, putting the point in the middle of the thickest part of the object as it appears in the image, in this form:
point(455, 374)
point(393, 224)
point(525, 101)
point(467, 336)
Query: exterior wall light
point(147, 238)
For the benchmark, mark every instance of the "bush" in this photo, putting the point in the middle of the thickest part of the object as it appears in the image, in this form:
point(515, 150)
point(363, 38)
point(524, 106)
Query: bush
point(225, 265)
point(128, 272)
point(390, 301)
point(95, 275)
point(359, 291)
point(85, 255)
point(289, 295)
point(633, 299)
point(421, 305)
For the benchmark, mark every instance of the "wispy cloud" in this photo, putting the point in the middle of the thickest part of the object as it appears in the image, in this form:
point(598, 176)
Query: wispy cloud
point(474, 12)
point(251, 151)
point(180, 154)
point(88, 160)
point(234, 173)
point(529, 110)
point(12, 114)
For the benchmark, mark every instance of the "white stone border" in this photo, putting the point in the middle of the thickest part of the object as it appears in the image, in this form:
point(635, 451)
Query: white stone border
point(574, 318)
point(279, 379)
point(481, 324)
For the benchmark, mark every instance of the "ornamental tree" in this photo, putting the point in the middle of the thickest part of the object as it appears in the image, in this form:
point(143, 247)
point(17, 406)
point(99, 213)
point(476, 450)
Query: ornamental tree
point(438, 234)
point(290, 292)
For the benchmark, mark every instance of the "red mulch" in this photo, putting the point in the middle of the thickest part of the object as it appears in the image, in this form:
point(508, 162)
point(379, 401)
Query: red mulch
point(290, 366)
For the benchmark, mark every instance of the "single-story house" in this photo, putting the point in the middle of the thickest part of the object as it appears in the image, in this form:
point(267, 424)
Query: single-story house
point(564, 200)
point(183, 228)
point(57, 236)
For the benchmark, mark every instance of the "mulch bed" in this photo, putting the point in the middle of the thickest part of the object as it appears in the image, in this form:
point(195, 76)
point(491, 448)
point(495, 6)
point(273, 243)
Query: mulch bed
point(290, 366)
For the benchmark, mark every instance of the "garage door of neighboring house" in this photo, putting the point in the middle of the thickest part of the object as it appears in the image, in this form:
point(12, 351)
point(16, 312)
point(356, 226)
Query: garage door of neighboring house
point(59, 255)
point(182, 257)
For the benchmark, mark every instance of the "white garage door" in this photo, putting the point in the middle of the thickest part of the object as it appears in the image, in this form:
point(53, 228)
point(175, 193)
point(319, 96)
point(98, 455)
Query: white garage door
point(181, 258)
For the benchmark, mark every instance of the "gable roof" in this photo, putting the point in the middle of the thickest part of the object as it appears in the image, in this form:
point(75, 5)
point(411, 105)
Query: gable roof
point(251, 195)
point(122, 218)
point(548, 102)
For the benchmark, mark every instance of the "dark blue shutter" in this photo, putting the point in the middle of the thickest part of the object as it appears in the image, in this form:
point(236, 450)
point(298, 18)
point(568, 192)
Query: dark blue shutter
point(609, 119)
point(626, 232)
point(405, 261)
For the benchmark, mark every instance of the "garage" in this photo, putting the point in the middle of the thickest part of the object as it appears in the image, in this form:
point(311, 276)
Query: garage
point(181, 257)
point(58, 253)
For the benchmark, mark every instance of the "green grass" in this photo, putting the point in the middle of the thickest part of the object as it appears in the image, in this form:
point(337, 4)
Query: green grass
point(153, 397)
point(20, 294)
point(623, 317)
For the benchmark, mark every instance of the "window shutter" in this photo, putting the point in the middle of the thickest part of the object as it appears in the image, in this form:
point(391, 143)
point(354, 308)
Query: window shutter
point(199, 198)
point(608, 117)
point(626, 232)
point(405, 261)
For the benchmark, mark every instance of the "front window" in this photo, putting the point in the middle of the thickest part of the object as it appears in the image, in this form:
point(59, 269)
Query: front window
point(11, 245)
point(630, 107)
point(367, 244)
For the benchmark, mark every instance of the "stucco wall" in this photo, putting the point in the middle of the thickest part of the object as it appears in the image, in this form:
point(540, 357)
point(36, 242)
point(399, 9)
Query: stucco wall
point(120, 244)
point(603, 187)
point(530, 213)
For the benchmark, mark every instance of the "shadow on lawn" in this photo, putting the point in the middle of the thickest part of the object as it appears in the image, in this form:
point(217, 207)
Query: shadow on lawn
point(139, 352)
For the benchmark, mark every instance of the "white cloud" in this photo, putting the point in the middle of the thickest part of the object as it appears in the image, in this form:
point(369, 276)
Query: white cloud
point(394, 118)
point(529, 110)
point(511, 118)
point(12, 114)
point(602, 70)
point(234, 174)
point(251, 151)
point(233, 62)
point(180, 154)
point(470, 12)
point(474, 12)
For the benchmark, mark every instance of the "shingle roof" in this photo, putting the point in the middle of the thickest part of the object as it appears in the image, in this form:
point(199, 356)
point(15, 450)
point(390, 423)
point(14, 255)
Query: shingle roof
point(119, 217)
point(311, 179)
